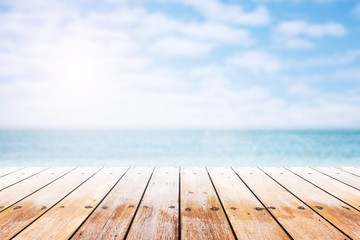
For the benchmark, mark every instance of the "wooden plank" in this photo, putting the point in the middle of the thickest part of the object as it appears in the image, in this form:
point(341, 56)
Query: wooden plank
point(353, 170)
point(19, 176)
point(240, 205)
point(61, 222)
point(14, 219)
point(112, 217)
point(7, 170)
point(18, 191)
point(202, 216)
point(342, 176)
point(339, 214)
point(340, 190)
point(157, 217)
point(299, 220)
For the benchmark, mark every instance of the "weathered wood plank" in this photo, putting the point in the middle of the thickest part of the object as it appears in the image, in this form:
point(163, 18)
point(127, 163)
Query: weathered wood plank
point(14, 219)
point(18, 191)
point(202, 216)
point(340, 190)
point(112, 217)
point(353, 170)
point(60, 223)
point(342, 176)
point(157, 217)
point(240, 205)
point(339, 214)
point(299, 220)
point(8, 170)
point(19, 176)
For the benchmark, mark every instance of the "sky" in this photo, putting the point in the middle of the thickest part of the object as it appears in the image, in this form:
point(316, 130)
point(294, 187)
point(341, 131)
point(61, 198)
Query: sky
point(180, 64)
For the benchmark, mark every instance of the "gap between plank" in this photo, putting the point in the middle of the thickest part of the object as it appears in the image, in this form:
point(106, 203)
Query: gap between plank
point(138, 206)
point(222, 206)
point(179, 210)
point(323, 190)
point(55, 204)
point(24, 179)
point(263, 205)
point(77, 229)
point(12, 172)
point(348, 172)
point(335, 178)
point(38, 189)
point(306, 204)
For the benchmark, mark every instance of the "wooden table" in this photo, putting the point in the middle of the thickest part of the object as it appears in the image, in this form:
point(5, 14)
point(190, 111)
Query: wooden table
point(179, 203)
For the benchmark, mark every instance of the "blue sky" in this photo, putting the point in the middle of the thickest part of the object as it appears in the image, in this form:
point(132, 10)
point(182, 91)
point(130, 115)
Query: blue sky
point(180, 64)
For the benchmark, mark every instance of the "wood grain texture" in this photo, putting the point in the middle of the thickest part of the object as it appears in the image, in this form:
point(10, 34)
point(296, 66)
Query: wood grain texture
point(19, 176)
point(14, 219)
point(342, 176)
point(157, 217)
point(18, 191)
point(215, 203)
point(240, 205)
point(339, 214)
point(340, 190)
point(300, 221)
point(353, 170)
point(61, 222)
point(8, 170)
point(113, 216)
point(202, 216)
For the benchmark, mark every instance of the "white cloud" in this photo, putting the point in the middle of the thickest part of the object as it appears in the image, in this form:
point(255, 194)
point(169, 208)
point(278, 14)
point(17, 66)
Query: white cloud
point(356, 10)
point(295, 1)
point(256, 62)
point(217, 33)
point(347, 74)
point(297, 34)
point(61, 66)
point(215, 10)
point(298, 43)
point(298, 28)
point(180, 47)
point(304, 78)
point(301, 89)
point(332, 60)
point(66, 68)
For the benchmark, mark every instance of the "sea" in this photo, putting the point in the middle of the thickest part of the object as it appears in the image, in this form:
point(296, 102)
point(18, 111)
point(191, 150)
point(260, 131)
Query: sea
point(180, 147)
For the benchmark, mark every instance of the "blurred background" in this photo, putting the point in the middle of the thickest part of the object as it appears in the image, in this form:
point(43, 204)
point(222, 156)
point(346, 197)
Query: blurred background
point(179, 82)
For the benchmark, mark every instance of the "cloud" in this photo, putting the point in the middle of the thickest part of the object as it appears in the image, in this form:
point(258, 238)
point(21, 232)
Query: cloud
point(296, 1)
point(356, 10)
point(298, 28)
point(60, 67)
point(296, 34)
point(298, 43)
point(301, 89)
point(347, 74)
point(217, 33)
point(256, 62)
point(180, 47)
point(122, 65)
point(215, 10)
point(332, 60)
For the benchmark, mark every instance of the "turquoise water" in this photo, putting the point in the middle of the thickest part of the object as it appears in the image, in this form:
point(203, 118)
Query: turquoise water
point(185, 148)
